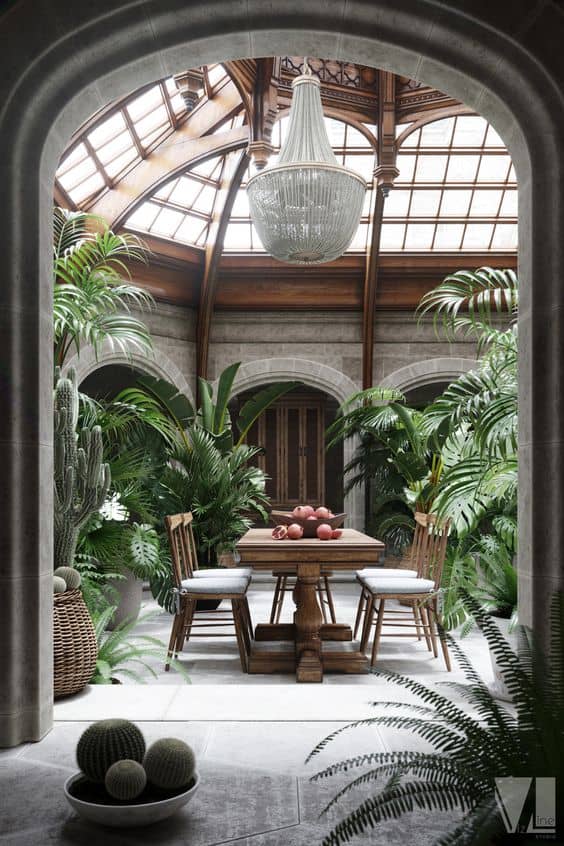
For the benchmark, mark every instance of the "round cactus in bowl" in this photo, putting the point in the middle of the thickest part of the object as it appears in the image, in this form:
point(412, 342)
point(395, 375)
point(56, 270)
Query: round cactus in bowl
point(123, 785)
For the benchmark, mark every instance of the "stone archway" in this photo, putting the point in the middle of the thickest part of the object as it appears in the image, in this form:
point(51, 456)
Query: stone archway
point(428, 372)
point(62, 67)
point(158, 364)
point(253, 374)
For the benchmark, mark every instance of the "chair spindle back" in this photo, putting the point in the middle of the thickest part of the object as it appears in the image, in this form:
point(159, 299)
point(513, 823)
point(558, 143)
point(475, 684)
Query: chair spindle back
point(182, 546)
point(429, 546)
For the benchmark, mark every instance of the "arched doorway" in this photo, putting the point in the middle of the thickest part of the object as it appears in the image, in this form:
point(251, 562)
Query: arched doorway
point(507, 69)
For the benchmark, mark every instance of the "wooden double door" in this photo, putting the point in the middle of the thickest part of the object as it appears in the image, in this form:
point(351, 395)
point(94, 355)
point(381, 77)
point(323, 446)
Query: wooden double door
point(291, 433)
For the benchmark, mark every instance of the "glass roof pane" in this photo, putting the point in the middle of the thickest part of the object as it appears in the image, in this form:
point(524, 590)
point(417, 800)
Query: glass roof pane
point(469, 131)
point(405, 165)
point(210, 168)
point(477, 236)
point(419, 236)
point(205, 200)
point(114, 168)
point(357, 139)
point(77, 174)
point(509, 204)
point(438, 133)
point(203, 236)
point(392, 236)
point(485, 203)
point(335, 131)
point(505, 237)
point(425, 203)
point(73, 158)
point(144, 104)
point(238, 236)
point(256, 243)
point(401, 127)
point(143, 216)
point(494, 168)
point(455, 202)
point(215, 74)
point(114, 147)
point(430, 168)
point(493, 139)
point(88, 187)
point(192, 230)
point(367, 203)
point(185, 192)
point(241, 204)
point(512, 178)
point(167, 189)
point(412, 139)
point(448, 236)
point(462, 168)
point(158, 117)
point(150, 139)
point(167, 221)
point(106, 130)
point(359, 239)
point(397, 203)
point(364, 165)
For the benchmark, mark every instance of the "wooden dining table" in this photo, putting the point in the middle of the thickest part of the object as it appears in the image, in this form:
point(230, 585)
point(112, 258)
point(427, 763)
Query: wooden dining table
point(307, 647)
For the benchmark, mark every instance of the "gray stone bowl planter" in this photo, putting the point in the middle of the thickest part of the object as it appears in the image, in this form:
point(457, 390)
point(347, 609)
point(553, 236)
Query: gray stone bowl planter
point(128, 816)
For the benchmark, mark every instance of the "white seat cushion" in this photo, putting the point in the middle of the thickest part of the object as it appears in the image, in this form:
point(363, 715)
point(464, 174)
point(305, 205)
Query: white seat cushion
point(385, 573)
point(381, 585)
point(220, 585)
point(220, 572)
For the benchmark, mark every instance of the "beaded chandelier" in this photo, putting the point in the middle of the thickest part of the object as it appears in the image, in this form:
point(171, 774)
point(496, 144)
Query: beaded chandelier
point(306, 209)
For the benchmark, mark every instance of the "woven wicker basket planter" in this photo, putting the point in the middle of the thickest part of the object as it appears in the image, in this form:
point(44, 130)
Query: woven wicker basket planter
point(75, 647)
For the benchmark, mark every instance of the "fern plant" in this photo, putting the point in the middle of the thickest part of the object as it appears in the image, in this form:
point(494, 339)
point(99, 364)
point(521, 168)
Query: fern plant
point(471, 749)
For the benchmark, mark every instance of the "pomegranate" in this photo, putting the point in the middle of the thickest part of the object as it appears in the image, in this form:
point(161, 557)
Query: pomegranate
point(279, 532)
point(322, 513)
point(324, 531)
point(336, 534)
point(300, 512)
point(310, 510)
point(295, 531)
point(311, 517)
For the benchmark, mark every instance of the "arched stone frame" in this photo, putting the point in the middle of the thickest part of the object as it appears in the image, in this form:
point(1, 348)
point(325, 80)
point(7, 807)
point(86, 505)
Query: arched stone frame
point(253, 374)
point(71, 60)
point(157, 364)
point(428, 372)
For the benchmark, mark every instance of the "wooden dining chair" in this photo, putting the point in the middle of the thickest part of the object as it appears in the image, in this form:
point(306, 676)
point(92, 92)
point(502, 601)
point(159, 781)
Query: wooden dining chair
point(286, 584)
point(192, 584)
point(420, 592)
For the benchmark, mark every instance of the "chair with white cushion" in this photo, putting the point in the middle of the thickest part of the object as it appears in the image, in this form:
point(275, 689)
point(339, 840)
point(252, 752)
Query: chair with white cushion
point(192, 584)
point(419, 591)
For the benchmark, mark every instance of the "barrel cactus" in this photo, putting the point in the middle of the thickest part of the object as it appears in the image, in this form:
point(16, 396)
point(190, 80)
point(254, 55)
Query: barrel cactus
point(59, 584)
point(70, 575)
point(170, 764)
point(125, 780)
point(105, 742)
point(81, 478)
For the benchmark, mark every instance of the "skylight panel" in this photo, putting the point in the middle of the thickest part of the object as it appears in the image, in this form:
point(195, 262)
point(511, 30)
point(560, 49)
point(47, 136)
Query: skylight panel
point(211, 168)
point(78, 174)
point(419, 236)
point(392, 236)
point(397, 203)
point(106, 130)
point(143, 216)
point(356, 139)
point(477, 236)
point(241, 205)
point(437, 134)
point(87, 188)
point(469, 132)
point(425, 203)
point(193, 230)
point(493, 139)
point(494, 168)
point(216, 73)
point(406, 166)
point(360, 237)
point(149, 140)
point(462, 168)
point(367, 203)
point(175, 96)
point(205, 199)
point(119, 164)
point(74, 157)
point(364, 165)
point(509, 204)
point(485, 203)
point(505, 237)
point(430, 168)
point(166, 222)
point(114, 147)
point(448, 236)
point(146, 103)
point(237, 236)
point(455, 202)
point(185, 192)
point(158, 117)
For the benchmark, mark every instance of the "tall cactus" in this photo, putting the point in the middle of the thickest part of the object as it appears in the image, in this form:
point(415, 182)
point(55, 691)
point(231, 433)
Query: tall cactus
point(81, 478)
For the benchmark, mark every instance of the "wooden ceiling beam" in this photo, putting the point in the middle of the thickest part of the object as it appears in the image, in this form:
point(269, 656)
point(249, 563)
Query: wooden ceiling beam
point(212, 260)
point(264, 109)
point(384, 175)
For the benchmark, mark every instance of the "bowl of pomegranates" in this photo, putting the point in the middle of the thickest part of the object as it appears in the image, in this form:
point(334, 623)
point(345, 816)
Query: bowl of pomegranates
point(314, 522)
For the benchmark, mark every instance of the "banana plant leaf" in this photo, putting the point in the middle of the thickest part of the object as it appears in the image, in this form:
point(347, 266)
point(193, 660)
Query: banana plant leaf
point(224, 387)
point(177, 405)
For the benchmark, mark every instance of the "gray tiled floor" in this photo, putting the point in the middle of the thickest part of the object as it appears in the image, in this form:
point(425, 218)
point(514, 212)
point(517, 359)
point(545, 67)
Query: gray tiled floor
point(256, 788)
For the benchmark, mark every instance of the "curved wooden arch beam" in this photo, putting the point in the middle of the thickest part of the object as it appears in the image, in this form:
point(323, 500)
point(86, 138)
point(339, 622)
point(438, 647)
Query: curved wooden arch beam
point(177, 150)
point(213, 257)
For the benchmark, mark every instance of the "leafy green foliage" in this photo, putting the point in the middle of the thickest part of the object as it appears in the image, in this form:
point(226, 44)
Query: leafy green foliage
point(471, 749)
point(123, 653)
point(93, 293)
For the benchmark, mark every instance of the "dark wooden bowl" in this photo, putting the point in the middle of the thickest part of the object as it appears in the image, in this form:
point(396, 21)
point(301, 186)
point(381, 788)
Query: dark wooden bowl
point(284, 518)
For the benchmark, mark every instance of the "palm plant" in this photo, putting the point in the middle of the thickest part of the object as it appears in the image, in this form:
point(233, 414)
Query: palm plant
point(471, 750)
point(93, 293)
point(123, 652)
